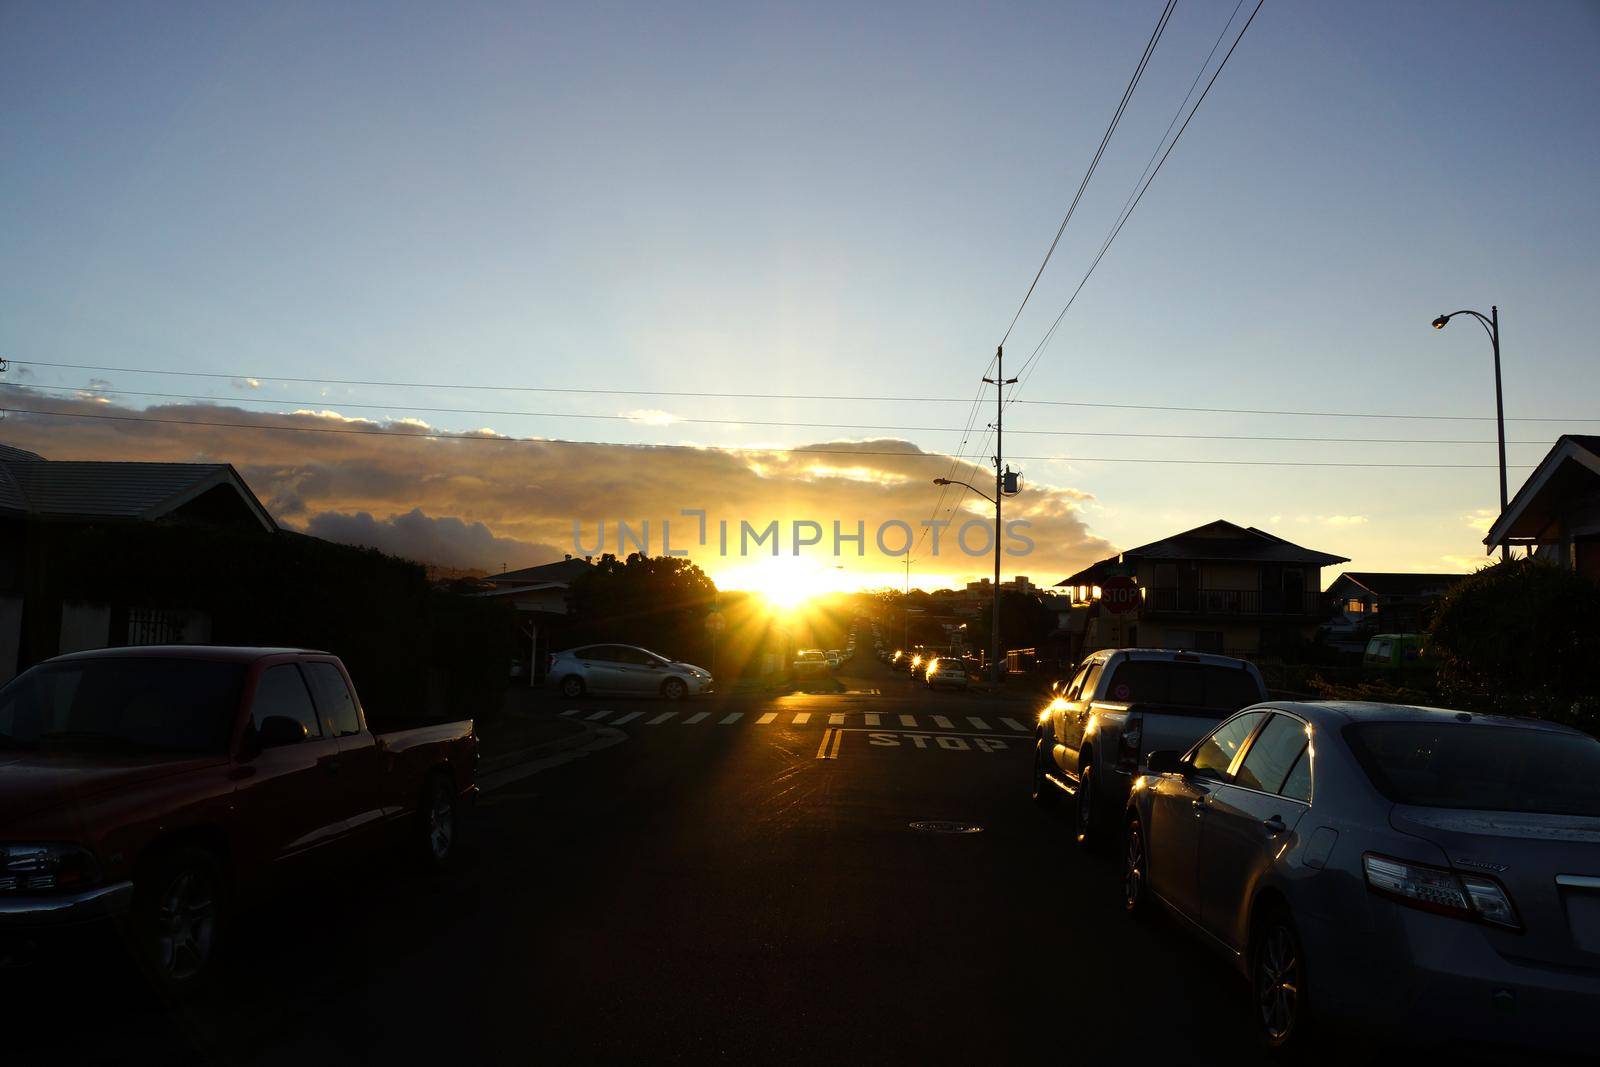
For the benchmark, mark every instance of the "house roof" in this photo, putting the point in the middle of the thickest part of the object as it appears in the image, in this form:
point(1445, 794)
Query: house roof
point(563, 571)
point(56, 489)
point(1572, 466)
point(1397, 584)
point(1218, 542)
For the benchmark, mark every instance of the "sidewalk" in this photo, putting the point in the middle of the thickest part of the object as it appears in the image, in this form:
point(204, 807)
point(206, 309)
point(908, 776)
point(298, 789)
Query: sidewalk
point(526, 729)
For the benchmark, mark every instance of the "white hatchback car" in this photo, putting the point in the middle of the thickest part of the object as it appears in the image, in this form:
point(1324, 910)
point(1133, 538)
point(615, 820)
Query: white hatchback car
point(624, 670)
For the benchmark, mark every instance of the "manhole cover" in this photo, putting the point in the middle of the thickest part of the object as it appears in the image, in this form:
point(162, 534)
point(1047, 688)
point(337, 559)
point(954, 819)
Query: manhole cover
point(942, 826)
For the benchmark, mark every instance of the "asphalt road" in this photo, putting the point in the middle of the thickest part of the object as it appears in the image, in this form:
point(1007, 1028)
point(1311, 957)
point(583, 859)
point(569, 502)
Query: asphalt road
point(746, 890)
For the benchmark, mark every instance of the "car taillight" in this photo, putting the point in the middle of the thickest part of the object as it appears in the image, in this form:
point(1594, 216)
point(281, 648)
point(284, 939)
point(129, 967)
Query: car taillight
point(1128, 747)
point(1462, 896)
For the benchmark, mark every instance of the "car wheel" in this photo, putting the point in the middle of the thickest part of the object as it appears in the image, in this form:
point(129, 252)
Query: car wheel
point(1278, 981)
point(572, 686)
point(1044, 794)
point(436, 822)
point(180, 913)
point(674, 689)
point(1086, 816)
point(1135, 870)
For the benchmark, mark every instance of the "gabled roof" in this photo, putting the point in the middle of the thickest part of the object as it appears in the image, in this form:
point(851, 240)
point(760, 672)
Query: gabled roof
point(1215, 542)
point(1397, 584)
point(1572, 466)
point(563, 571)
point(55, 489)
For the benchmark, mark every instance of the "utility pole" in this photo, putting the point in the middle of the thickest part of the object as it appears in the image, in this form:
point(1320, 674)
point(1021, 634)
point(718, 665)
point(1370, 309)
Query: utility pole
point(905, 610)
point(999, 381)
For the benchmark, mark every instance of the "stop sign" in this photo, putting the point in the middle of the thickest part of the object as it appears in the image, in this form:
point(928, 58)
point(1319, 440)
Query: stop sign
point(1119, 595)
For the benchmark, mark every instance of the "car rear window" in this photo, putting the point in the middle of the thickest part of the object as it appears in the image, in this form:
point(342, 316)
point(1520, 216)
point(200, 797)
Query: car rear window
point(158, 704)
point(1196, 685)
point(1480, 767)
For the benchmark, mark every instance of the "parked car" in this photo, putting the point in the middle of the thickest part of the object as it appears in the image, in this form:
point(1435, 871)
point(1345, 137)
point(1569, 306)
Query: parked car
point(945, 670)
point(835, 657)
point(625, 670)
point(1395, 652)
point(810, 663)
point(1121, 704)
point(1431, 871)
point(164, 787)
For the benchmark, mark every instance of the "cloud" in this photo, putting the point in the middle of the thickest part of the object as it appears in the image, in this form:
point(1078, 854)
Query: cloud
point(480, 499)
point(651, 416)
point(1343, 520)
point(246, 383)
point(1480, 519)
point(447, 541)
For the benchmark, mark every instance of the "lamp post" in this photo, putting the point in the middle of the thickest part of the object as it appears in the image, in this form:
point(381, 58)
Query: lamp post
point(1491, 326)
point(994, 629)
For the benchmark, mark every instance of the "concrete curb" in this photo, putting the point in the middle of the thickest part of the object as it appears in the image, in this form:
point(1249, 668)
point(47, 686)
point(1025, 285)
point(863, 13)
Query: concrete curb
point(524, 763)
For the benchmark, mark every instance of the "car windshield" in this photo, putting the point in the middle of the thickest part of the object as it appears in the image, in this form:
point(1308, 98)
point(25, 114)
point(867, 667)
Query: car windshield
point(122, 703)
point(1480, 767)
point(1198, 685)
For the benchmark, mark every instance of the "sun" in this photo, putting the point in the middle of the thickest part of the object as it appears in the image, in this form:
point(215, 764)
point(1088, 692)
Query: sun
point(785, 582)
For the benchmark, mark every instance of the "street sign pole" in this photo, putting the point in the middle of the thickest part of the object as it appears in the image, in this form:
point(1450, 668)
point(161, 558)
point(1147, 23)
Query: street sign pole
point(999, 381)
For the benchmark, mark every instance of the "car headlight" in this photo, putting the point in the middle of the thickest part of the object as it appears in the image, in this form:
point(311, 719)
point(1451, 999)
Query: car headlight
point(35, 868)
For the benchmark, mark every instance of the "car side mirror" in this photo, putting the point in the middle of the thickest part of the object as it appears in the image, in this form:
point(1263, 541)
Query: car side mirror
point(1166, 761)
point(278, 730)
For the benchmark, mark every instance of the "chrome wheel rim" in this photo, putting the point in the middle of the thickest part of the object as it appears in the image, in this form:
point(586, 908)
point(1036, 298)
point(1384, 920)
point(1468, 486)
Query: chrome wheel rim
point(572, 687)
point(186, 925)
point(1133, 870)
point(441, 822)
point(1278, 984)
point(674, 690)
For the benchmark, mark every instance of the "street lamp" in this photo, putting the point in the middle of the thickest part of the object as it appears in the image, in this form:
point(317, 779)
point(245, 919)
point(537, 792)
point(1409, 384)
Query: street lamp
point(1491, 326)
point(994, 634)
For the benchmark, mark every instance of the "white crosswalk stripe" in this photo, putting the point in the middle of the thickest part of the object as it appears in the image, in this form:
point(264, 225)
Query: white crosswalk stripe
point(943, 723)
point(597, 716)
point(802, 718)
point(1014, 724)
point(696, 717)
point(767, 718)
point(980, 724)
point(663, 717)
point(730, 719)
point(572, 711)
point(872, 719)
point(627, 718)
point(908, 720)
point(836, 719)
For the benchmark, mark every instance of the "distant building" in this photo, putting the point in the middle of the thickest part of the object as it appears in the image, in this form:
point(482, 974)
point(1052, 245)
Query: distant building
point(1220, 587)
point(43, 502)
point(1556, 513)
point(541, 597)
point(1373, 602)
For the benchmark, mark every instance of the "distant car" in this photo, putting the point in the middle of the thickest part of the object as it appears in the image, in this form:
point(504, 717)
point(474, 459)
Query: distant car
point(945, 670)
point(1434, 872)
point(1394, 652)
point(811, 663)
point(835, 657)
point(625, 670)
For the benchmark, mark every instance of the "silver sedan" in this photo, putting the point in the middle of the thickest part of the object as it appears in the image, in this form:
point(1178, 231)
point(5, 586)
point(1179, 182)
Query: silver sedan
point(1432, 871)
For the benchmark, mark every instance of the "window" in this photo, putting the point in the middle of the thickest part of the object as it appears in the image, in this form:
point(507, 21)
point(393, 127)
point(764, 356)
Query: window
point(601, 653)
point(1215, 754)
point(638, 657)
point(1272, 755)
point(282, 691)
point(1076, 686)
point(334, 702)
point(1487, 768)
point(156, 704)
point(1298, 785)
point(1355, 606)
point(1198, 685)
point(1091, 679)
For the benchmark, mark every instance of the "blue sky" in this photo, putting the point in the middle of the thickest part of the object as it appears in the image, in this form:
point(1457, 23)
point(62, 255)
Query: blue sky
point(836, 199)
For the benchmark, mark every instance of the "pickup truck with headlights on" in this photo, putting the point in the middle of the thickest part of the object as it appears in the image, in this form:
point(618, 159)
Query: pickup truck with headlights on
point(167, 787)
point(1121, 705)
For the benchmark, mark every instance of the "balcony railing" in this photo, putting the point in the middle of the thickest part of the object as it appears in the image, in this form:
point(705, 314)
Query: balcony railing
point(1231, 602)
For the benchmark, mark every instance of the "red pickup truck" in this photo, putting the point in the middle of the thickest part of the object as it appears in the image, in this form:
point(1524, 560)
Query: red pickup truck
point(165, 787)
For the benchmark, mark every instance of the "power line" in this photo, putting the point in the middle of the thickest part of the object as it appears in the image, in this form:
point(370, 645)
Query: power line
point(1128, 212)
point(706, 395)
point(495, 439)
point(1105, 139)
